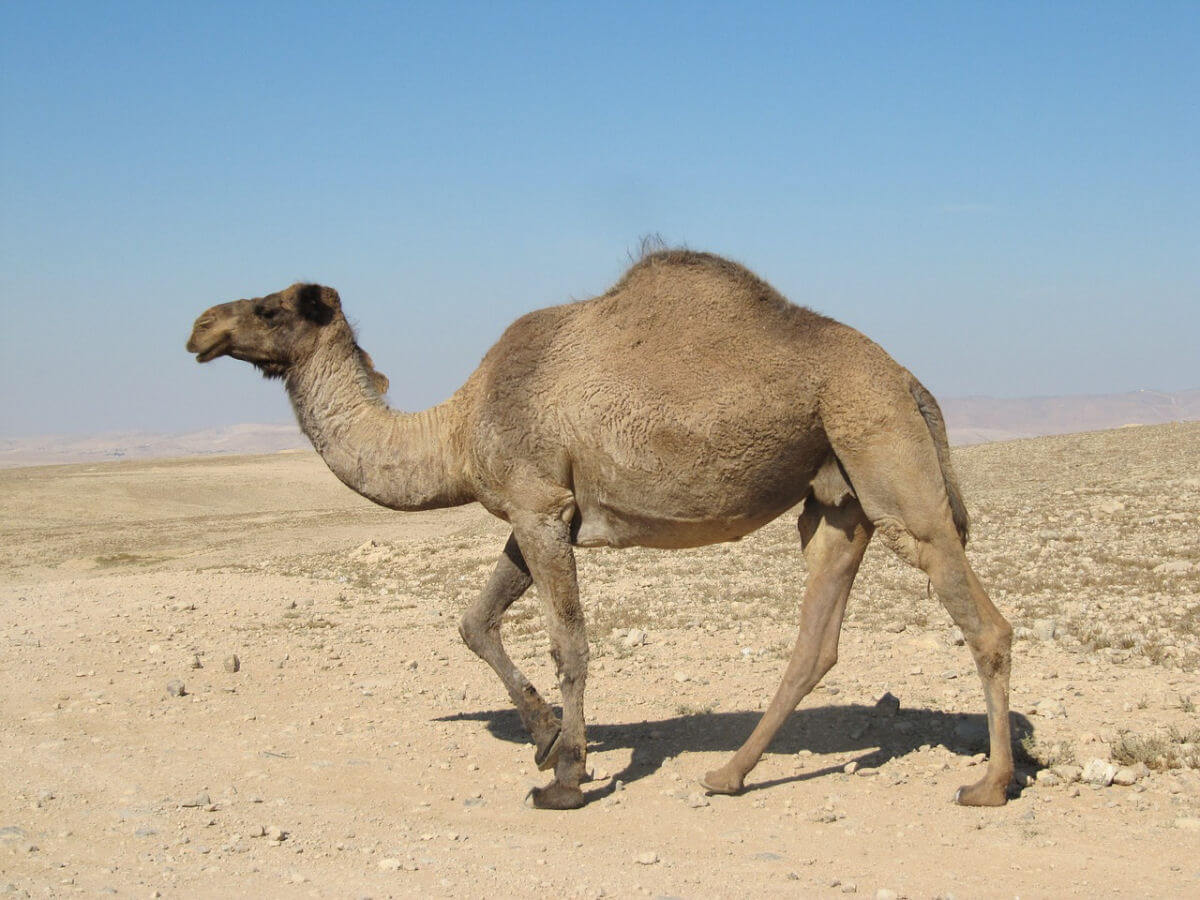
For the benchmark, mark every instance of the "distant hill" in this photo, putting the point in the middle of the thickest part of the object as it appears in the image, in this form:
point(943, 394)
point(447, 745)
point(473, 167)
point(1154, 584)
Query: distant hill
point(47, 450)
point(978, 420)
point(970, 420)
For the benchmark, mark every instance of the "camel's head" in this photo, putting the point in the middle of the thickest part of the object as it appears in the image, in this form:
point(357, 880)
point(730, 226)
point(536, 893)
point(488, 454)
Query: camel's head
point(273, 332)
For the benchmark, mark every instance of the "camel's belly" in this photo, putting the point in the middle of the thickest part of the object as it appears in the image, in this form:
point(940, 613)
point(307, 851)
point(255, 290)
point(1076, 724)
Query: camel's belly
point(596, 525)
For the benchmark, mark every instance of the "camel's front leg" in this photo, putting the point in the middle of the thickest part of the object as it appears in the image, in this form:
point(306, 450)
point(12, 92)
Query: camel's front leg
point(480, 628)
point(546, 545)
point(834, 539)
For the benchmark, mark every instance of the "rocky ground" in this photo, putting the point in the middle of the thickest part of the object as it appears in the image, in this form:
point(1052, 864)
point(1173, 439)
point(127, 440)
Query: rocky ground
point(233, 677)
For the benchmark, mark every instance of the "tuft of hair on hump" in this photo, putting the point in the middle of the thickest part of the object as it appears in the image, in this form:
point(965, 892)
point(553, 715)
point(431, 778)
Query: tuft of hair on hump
point(648, 245)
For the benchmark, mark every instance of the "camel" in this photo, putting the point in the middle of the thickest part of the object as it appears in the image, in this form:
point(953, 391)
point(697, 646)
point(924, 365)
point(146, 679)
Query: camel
point(689, 404)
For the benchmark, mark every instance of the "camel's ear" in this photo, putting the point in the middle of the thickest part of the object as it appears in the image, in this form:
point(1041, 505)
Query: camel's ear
point(317, 304)
point(378, 379)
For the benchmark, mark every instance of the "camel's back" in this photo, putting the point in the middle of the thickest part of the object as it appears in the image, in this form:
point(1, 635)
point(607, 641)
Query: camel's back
point(688, 390)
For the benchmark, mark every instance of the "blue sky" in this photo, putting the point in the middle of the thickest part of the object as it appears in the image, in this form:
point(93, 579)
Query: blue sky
point(1006, 196)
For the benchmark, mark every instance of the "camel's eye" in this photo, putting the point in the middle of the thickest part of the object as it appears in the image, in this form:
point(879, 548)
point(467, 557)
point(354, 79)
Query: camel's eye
point(265, 312)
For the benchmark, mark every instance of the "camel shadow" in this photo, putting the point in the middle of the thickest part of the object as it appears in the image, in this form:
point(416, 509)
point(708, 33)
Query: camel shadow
point(875, 736)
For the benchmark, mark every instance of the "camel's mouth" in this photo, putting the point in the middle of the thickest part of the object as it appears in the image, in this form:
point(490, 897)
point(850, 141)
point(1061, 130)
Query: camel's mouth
point(218, 347)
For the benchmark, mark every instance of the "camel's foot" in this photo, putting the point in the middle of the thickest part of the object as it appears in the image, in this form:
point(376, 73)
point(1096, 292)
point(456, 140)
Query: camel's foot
point(986, 792)
point(546, 754)
point(556, 795)
point(722, 781)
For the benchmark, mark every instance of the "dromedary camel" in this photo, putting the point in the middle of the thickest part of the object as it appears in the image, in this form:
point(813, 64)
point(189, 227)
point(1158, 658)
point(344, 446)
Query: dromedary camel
point(689, 404)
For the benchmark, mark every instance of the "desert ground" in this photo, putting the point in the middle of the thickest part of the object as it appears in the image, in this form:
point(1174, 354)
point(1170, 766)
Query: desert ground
point(356, 748)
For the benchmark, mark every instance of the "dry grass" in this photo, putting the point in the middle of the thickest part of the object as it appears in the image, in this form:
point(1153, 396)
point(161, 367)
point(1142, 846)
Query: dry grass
point(1174, 749)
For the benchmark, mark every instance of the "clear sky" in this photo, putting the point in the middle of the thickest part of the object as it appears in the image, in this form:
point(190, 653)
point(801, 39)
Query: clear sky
point(1005, 195)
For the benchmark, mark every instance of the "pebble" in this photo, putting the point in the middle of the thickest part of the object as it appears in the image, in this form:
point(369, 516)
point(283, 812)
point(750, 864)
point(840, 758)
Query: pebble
point(391, 864)
point(1067, 773)
point(275, 833)
point(682, 677)
point(232, 663)
point(634, 638)
point(1049, 708)
point(895, 627)
point(1045, 629)
point(196, 664)
point(696, 800)
point(196, 802)
point(886, 894)
point(888, 704)
point(648, 858)
point(176, 689)
point(1130, 775)
point(1099, 772)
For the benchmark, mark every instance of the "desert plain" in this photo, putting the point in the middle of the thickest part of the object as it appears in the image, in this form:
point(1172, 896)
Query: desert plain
point(234, 677)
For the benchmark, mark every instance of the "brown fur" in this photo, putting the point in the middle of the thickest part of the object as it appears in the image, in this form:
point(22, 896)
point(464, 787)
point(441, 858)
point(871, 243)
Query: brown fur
point(691, 403)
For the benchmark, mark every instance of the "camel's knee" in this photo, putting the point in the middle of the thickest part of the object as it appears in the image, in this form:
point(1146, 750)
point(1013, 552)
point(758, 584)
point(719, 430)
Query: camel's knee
point(473, 629)
point(571, 663)
point(991, 646)
point(826, 660)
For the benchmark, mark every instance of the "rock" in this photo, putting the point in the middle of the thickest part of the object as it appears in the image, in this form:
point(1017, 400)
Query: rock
point(895, 627)
point(391, 864)
point(1130, 775)
point(232, 663)
point(197, 802)
point(1174, 567)
point(1048, 778)
point(887, 705)
point(850, 768)
point(1049, 708)
point(648, 858)
point(277, 834)
point(682, 677)
point(1109, 507)
point(697, 799)
point(176, 689)
point(635, 637)
point(196, 664)
point(1099, 772)
point(886, 894)
point(1044, 629)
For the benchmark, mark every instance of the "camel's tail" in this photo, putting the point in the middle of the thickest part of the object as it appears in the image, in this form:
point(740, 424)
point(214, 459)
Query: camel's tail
point(932, 414)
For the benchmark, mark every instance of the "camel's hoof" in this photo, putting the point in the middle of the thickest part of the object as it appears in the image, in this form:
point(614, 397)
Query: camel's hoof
point(983, 793)
point(556, 796)
point(719, 781)
point(546, 758)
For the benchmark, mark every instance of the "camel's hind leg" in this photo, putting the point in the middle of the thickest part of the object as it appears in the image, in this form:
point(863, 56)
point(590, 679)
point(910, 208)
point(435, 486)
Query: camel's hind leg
point(902, 489)
point(834, 540)
point(480, 629)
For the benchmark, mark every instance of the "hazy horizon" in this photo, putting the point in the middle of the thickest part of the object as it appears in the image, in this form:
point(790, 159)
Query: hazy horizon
point(1005, 198)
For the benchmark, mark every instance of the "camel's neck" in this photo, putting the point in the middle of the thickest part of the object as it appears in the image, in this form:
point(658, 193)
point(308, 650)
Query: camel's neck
point(399, 460)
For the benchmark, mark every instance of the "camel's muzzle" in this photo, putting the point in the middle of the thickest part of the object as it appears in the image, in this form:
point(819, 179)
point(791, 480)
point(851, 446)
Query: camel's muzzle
point(212, 335)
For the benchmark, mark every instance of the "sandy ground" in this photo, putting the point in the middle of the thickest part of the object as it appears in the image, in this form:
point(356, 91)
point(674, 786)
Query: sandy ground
point(361, 750)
